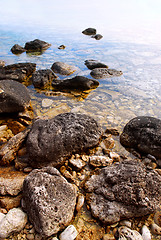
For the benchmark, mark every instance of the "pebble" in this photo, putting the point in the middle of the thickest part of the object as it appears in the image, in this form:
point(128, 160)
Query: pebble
point(70, 233)
point(47, 102)
point(27, 169)
point(126, 233)
point(77, 163)
point(30, 236)
point(38, 237)
point(80, 202)
point(115, 157)
point(157, 218)
point(3, 127)
point(125, 223)
point(146, 235)
point(100, 161)
point(108, 237)
point(155, 229)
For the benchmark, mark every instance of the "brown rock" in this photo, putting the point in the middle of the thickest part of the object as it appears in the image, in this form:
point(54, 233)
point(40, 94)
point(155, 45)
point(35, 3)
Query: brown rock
point(10, 202)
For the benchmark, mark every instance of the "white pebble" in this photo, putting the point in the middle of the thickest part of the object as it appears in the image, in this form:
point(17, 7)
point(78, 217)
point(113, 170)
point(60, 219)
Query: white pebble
point(80, 202)
point(146, 235)
point(125, 223)
point(70, 233)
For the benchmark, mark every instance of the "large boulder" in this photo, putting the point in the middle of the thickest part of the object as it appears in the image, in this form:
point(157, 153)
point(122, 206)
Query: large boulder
point(89, 31)
point(17, 49)
point(43, 78)
point(99, 73)
point(14, 97)
point(63, 68)
point(77, 83)
point(49, 200)
point(91, 64)
point(50, 141)
point(144, 134)
point(36, 46)
point(18, 71)
point(123, 190)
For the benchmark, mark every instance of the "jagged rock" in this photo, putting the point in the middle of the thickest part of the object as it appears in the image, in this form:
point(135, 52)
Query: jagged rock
point(63, 68)
point(36, 46)
point(144, 134)
point(14, 97)
point(18, 72)
point(122, 191)
point(17, 49)
point(43, 78)
point(77, 83)
point(97, 36)
point(91, 64)
point(99, 73)
point(13, 221)
point(49, 200)
point(89, 31)
point(54, 139)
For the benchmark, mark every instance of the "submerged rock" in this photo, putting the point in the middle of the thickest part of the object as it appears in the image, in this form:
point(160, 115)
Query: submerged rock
point(91, 64)
point(43, 78)
point(63, 68)
point(54, 139)
point(14, 97)
point(144, 134)
point(17, 49)
point(89, 31)
point(77, 83)
point(122, 191)
point(36, 45)
point(99, 73)
point(49, 200)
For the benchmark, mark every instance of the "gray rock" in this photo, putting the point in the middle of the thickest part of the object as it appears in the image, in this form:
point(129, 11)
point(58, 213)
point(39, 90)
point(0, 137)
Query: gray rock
point(91, 64)
point(144, 134)
point(89, 31)
point(14, 97)
point(43, 78)
point(54, 139)
point(17, 49)
point(123, 191)
point(97, 36)
point(36, 46)
point(99, 73)
point(77, 83)
point(49, 200)
point(63, 68)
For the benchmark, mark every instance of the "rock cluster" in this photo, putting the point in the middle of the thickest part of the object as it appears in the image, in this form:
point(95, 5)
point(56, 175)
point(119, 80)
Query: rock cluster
point(92, 32)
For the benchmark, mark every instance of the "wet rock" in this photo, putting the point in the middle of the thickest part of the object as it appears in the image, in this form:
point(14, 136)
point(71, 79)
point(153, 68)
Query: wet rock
point(127, 233)
point(17, 49)
point(100, 161)
point(89, 31)
point(77, 83)
point(18, 72)
point(43, 78)
point(47, 102)
point(122, 191)
point(97, 36)
point(63, 68)
point(52, 140)
point(36, 46)
point(70, 233)
point(9, 202)
point(91, 64)
point(99, 73)
point(49, 200)
point(143, 134)
point(61, 47)
point(14, 221)
point(146, 235)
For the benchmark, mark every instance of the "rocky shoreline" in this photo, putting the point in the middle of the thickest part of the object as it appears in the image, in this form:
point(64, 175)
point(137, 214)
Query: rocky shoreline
point(60, 178)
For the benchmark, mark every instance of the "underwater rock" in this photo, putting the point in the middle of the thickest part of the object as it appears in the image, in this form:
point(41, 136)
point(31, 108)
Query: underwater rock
point(17, 49)
point(124, 190)
point(51, 140)
point(91, 64)
point(99, 73)
point(89, 31)
point(143, 134)
point(36, 45)
point(77, 83)
point(63, 68)
point(49, 200)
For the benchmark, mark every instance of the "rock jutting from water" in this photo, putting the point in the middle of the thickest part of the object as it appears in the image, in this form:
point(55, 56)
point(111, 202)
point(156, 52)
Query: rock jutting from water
point(63, 68)
point(77, 83)
point(89, 31)
point(36, 46)
point(17, 49)
point(99, 73)
point(124, 190)
point(91, 64)
point(49, 200)
point(51, 140)
point(143, 134)
point(97, 36)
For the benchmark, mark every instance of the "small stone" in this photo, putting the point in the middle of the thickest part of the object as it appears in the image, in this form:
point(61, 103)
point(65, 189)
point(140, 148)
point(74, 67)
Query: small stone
point(47, 102)
point(2, 63)
point(3, 127)
point(114, 156)
point(3, 210)
point(151, 157)
point(27, 169)
point(70, 233)
point(146, 235)
point(85, 158)
point(62, 47)
point(100, 161)
point(91, 64)
point(157, 218)
point(127, 233)
point(80, 202)
point(108, 143)
point(38, 237)
point(63, 68)
point(17, 49)
point(30, 236)
point(155, 229)
point(97, 36)
point(99, 73)
point(126, 223)
point(32, 230)
point(108, 237)
point(54, 238)
point(89, 31)
point(112, 131)
point(77, 163)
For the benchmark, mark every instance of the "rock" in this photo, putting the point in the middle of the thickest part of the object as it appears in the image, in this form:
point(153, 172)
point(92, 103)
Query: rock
point(2, 215)
point(70, 233)
point(123, 191)
point(17, 49)
point(18, 72)
point(14, 221)
point(114, 156)
point(100, 161)
point(99, 73)
point(36, 46)
point(54, 139)
point(126, 223)
point(146, 235)
point(62, 47)
point(155, 229)
point(89, 31)
point(46, 102)
point(80, 202)
point(108, 237)
point(77, 163)
point(77, 83)
point(143, 134)
point(112, 131)
point(2, 63)
point(97, 36)
point(43, 78)
point(9, 202)
point(108, 142)
point(91, 64)
point(49, 200)
point(157, 217)
point(127, 233)
point(63, 68)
